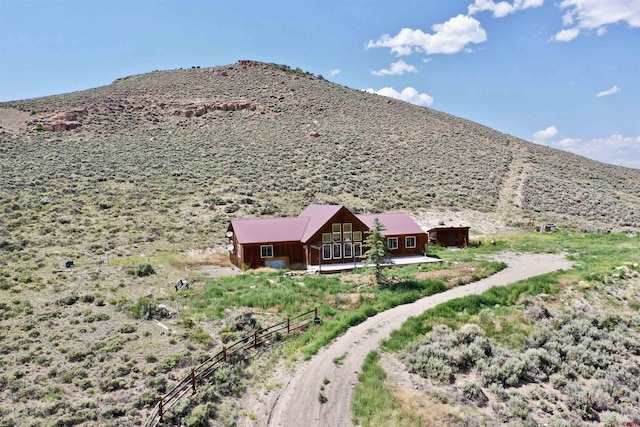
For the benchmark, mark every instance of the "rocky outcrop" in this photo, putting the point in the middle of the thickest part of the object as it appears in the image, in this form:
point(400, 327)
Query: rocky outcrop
point(200, 110)
point(61, 126)
point(65, 120)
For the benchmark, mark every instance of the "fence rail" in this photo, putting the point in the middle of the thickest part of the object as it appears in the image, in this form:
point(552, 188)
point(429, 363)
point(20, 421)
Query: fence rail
point(200, 373)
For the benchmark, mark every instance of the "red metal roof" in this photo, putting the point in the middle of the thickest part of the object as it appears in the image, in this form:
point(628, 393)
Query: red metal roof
point(304, 226)
point(395, 223)
point(268, 230)
point(318, 216)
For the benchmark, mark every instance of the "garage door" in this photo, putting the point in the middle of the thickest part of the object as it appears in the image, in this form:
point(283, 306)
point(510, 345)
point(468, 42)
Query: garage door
point(275, 263)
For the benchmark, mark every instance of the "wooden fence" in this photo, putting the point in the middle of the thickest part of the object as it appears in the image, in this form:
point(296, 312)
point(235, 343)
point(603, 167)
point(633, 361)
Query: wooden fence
point(199, 374)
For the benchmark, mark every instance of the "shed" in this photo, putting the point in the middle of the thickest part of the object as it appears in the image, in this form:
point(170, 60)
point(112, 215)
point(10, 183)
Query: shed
point(450, 236)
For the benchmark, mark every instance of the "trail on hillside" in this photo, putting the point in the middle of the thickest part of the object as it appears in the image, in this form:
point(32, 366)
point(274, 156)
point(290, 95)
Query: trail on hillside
point(298, 404)
point(511, 197)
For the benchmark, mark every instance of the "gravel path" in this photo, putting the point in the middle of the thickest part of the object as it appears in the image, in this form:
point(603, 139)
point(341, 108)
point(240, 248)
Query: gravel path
point(298, 403)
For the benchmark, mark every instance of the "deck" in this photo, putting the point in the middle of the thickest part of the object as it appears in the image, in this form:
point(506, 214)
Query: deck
point(388, 262)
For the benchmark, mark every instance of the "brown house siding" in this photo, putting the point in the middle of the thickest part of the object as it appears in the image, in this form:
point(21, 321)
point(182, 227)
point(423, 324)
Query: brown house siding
point(421, 240)
point(450, 236)
point(292, 254)
point(343, 216)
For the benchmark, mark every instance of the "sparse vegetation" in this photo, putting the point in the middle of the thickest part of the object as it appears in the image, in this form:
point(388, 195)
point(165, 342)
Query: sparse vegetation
point(559, 347)
point(141, 187)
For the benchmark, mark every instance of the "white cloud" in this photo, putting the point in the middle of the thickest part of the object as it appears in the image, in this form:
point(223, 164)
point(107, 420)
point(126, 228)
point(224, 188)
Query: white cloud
point(566, 35)
point(542, 135)
point(396, 68)
point(502, 8)
point(567, 143)
point(408, 94)
point(614, 89)
point(334, 71)
point(596, 15)
point(449, 37)
point(615, 149)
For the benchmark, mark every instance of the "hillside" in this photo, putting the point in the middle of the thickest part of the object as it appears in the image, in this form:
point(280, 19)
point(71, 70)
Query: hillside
point(148, 171)
point(199, 146)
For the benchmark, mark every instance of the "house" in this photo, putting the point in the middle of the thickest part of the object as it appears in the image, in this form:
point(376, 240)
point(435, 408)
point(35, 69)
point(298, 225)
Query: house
point(320, 235)
point(450, 236)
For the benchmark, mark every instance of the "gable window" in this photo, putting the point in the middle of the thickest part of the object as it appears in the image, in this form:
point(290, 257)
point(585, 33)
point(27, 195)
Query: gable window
point(357, 249)
point(326, 251)
point(357, 235)
point(326, 237)
point(348, 250)
point(336, 232)
point(410, 242)
point(346, 232)
point(337, 252)
point(392, 243)
point(266, 251)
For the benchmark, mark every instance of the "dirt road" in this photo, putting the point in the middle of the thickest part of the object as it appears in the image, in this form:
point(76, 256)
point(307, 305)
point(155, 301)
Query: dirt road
point(298, 403)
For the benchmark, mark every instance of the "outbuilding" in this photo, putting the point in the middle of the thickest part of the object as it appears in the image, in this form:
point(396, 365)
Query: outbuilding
point(450, 236)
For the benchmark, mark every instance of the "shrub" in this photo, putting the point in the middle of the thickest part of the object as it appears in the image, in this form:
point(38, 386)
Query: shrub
point(127, 329)
point(518, 406)
point(146, 309)
point(199, 416)
point(473, 392)
point(228, 379)
point(144, 269)
point(69, 300)
point(580, 401)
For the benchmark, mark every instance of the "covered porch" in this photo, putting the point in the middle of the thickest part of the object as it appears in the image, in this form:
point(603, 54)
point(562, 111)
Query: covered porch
point(388, 262)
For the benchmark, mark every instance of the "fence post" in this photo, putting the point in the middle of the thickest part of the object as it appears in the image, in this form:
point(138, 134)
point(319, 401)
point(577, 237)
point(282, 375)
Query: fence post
point(315, 313)
point(224, 353)
point(288, 325)
point(160, 408)
point(193, 380)
point(255, 339)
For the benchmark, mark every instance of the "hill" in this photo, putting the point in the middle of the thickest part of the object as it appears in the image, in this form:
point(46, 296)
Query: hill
point(185, 150)
point(154, 165)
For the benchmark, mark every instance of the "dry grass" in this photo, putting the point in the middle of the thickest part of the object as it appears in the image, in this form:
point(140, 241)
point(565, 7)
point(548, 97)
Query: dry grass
point(138, 183)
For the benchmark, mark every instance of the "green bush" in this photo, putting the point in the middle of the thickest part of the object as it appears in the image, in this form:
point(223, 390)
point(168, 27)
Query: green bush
point(147, 309)
point(473, 392)
point(199, 416)
point(127, 329)
point(144, 269)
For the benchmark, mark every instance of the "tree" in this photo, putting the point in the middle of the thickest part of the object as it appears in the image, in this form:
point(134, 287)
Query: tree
point(377, 249)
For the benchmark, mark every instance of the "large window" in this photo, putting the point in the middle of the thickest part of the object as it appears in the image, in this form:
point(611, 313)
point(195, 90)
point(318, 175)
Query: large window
point(410, 242)
point(348, 250)
point(357, 250)
point(346, 232)
point(336, 232)
point(326, 237)
point(392, 243)
point(337, 250)
point(266, 251)
point(357, 236)
point(326, 251)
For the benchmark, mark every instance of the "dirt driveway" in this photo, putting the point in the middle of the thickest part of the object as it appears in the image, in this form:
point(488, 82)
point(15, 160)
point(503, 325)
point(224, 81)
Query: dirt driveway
point(298, 402)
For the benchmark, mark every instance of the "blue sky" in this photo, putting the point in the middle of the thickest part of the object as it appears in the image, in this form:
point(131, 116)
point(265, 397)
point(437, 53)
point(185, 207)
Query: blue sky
point(563, 73)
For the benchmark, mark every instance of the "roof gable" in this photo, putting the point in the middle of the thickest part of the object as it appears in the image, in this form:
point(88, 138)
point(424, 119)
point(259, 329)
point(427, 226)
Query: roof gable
point(268, 230)
point(318, 216)
point(394, 223)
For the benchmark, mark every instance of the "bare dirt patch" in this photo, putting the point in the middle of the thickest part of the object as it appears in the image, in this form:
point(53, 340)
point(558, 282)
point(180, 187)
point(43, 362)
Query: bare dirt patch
point(461, 272)
point(481, 223)
point(14, 121)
